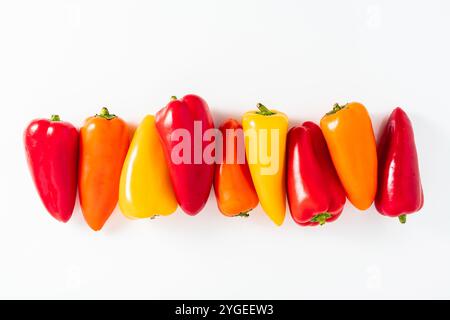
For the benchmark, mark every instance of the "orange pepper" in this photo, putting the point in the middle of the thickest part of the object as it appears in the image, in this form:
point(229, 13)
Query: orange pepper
point(349, 135)
point(233, 186)
point(104, 141)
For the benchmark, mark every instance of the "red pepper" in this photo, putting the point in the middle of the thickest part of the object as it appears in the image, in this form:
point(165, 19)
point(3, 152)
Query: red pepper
point(52, 152)
point(191, 177)
point(315, 193)
point(399, 188)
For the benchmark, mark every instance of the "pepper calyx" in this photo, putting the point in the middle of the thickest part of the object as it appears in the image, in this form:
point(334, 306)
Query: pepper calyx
point(263, 110)
point(104, 113)
point(336, 108)
point(321, 218)
point(244, 214)
point(55, 118)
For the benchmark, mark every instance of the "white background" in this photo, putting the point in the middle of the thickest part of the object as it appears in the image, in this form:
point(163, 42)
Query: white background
point(73, 57)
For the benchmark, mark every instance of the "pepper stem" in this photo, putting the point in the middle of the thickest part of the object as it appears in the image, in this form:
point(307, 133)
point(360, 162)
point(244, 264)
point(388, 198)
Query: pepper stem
point(55, 118)
point(336, 108)
point(263, 110)
point(402, 218)
point(321, 218)
point(104, 113)
point(243, 214)
point(173, 98)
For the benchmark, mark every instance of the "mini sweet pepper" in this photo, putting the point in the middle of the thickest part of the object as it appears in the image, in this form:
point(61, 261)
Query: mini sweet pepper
point(145, 187)
point(52, 152)
point(233, 186)
point(399, 186)
point(349, 135)
point(182, 126)
point(315, 193)
point(265, 134)
point(104, 142)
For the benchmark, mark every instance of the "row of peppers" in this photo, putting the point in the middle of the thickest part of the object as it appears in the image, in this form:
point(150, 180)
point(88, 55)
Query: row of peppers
point(320, 166)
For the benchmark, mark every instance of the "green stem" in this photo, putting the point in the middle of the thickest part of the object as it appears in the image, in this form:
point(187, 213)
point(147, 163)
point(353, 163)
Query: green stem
point(321, 218)
point(263, 110)
point(104, 113)
point(336, 108)
point(402, 218)
point(243, 214)
point(55, 118)
point(173, 98)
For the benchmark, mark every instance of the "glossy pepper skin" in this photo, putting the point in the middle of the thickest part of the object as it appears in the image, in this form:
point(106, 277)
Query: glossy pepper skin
point(265, 134)
point(192, 176)
point(52, 153)
point(233, 186)
point(145, 187)
point(104, 141)
point(315, 193)
point(399, 186)
point(349, 135)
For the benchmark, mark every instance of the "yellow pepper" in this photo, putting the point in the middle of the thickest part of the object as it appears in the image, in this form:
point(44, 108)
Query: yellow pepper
point(145, 187)
point(265, 134)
